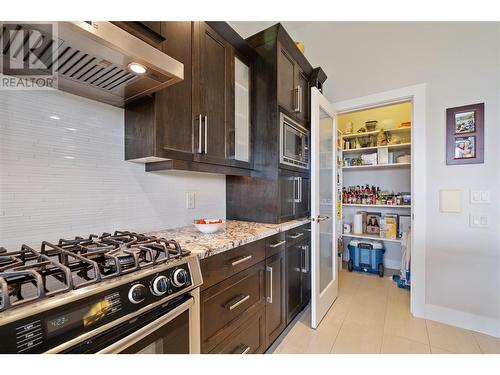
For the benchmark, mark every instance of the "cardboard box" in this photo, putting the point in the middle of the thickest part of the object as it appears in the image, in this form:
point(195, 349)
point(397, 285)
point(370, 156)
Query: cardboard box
point(383, 155)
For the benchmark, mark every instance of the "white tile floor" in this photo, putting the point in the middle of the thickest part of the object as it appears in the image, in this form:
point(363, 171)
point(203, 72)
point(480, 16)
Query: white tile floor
point(372, 315)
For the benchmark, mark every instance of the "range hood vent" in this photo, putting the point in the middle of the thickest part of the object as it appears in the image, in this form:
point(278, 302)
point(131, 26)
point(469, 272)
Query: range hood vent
point(91, 59)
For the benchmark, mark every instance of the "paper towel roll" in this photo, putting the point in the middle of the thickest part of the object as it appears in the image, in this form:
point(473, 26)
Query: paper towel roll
point(358, 223)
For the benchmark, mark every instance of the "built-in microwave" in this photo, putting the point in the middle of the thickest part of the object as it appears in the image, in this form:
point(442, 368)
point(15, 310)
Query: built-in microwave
point(294, 143)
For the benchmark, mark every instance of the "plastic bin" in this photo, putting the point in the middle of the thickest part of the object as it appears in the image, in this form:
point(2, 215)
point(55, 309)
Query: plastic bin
point(366, 256)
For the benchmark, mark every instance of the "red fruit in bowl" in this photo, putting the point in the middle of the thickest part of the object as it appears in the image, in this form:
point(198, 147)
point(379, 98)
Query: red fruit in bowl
point(201, 221)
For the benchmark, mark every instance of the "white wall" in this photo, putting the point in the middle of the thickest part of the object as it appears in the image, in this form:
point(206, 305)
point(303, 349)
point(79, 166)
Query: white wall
point(460, 63)
point(67, 177)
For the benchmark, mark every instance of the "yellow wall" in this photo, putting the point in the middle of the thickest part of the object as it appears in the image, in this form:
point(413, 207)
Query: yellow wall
point(400, 112)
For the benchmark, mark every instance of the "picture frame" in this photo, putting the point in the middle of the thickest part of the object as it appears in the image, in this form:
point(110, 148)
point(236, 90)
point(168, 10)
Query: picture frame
point(373, 222)
point(465, 134)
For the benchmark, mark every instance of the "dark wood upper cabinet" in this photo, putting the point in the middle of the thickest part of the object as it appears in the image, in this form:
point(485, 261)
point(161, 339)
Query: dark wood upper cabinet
point(191, 125)
point(286, 80)
point(151, 32)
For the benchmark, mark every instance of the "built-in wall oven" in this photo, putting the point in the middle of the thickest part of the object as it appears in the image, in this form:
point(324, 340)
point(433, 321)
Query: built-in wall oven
point(294, 143)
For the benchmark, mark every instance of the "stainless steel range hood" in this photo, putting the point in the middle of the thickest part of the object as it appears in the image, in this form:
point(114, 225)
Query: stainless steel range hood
point(92, 59)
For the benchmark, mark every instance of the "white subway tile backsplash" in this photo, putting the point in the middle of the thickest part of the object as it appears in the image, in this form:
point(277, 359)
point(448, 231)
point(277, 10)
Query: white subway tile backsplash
point(67, 177)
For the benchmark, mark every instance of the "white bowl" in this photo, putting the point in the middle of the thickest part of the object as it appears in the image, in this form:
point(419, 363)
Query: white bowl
point(209, 228)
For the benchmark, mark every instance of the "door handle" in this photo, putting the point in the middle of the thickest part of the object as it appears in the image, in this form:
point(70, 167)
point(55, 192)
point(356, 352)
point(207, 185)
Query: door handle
point(241, 260)
point(241, 299)
point(322, 218)
point(199, 134)
point(296, 236)
point(274, 245)
point(206, 134)
point(269, 298)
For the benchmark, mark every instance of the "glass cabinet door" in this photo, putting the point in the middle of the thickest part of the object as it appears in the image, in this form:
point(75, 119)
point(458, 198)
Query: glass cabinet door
point(241, 110)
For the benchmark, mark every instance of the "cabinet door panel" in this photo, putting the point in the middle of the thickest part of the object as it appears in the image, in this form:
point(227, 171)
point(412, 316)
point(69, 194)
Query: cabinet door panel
point(173, 104)
point(287, 202)
point(213, 92)
point(294, 280)
point(285, 80)
point(302, 82)
point(275, 296)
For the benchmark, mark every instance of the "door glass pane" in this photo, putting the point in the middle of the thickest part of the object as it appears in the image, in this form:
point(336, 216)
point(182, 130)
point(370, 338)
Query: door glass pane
point(241, 110)
point(326, 205)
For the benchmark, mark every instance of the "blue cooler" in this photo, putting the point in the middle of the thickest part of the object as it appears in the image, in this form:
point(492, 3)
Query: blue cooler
point(366, 256)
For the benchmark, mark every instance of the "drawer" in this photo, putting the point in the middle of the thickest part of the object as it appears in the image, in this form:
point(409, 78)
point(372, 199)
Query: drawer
point(298, 234)
point(221, 266)
point(229, 300)
point(248, 338)
point(275, 244)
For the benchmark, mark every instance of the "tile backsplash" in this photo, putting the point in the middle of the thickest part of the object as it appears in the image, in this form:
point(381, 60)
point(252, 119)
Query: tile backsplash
point(62, 173)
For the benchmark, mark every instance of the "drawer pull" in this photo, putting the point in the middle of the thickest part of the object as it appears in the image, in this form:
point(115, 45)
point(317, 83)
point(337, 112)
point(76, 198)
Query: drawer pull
point(241, 299)
point(269, 298)
point(242, 349)
point(277, 244)
point(297, 235)
point(247, 349)
point(241, 260)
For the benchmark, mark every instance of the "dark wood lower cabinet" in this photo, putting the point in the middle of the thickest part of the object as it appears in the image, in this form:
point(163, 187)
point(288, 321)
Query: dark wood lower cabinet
point(275, 296)
point(252, 292)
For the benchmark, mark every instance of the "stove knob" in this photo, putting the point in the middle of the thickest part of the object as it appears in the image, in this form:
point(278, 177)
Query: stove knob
point(159, 285)
point(137, 293)
point(180, 277)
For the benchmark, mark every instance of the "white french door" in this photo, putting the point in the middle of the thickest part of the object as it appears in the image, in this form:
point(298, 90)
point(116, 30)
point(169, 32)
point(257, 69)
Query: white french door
point(324, 270)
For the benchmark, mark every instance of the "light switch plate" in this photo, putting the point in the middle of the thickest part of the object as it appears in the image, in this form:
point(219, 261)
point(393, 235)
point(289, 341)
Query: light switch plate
point(450, 200)
point(478, 221)
point(480, 196)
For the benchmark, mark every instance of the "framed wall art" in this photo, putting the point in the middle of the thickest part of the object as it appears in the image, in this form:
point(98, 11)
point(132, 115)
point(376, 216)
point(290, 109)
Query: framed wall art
point(465, 134)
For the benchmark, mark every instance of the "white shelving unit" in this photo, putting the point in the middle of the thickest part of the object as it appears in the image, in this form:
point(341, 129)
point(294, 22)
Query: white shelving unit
point(378, 166)
point(374, 132)
point(390, 147)
point(375, 205)
point(371, 237)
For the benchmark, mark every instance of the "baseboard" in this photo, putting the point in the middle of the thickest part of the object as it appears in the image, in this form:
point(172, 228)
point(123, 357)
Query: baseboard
point(462, 319)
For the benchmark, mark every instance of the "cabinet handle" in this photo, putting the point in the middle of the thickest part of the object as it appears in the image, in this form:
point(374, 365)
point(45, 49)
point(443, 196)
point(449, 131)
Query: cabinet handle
point(306, 258)
point(274, 245)
point(297, 235)
point(206, 134)
point(296, 99)
point(241, 260)
point(299, 97)
point(199, 134)
point(269, 271)
point(299, 185)
point(246, 349)
point(241, 299)
point(296, 192)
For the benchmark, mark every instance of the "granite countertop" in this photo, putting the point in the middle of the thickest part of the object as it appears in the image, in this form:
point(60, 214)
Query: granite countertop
point(235, 233)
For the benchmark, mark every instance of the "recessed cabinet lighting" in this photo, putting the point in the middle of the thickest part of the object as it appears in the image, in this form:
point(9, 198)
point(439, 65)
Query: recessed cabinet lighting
point(137, 68)
point(54, 117)
point(69, 157)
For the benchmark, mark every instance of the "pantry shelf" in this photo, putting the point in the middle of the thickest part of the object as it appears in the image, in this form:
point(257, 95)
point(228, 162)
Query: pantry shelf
point(396, 130)
point(376, 205)
point(378, 166)
point(371, 237)
point(390, 147)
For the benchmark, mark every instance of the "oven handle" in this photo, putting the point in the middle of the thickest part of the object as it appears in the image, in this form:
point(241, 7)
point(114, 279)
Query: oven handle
point(124, 343)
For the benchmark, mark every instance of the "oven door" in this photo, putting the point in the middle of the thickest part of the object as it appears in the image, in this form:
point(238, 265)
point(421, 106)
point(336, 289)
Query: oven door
point(168, 329)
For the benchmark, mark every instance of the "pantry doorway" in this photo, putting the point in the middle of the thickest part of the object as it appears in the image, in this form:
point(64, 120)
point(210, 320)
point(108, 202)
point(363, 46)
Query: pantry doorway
point(414, 96)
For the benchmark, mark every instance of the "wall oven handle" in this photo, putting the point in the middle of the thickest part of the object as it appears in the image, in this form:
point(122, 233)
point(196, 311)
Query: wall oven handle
point(241, 260)
point(269, 271)
point(138, 335)
point(239, 300)
point(206, 134)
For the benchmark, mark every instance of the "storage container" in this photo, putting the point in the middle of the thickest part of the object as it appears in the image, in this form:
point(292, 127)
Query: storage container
point(366, 256)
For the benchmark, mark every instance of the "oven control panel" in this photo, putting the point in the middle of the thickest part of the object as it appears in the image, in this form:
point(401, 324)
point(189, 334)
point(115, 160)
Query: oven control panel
point(49, 329)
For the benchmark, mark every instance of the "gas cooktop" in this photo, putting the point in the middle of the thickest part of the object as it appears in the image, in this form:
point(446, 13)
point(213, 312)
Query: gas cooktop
point(28, 275)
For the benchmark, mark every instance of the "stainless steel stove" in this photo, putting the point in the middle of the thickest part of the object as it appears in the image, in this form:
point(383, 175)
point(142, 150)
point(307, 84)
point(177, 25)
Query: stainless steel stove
point(114, 293)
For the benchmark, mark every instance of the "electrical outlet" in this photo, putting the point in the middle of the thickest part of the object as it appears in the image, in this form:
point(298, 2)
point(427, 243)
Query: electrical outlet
point(190, 200)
